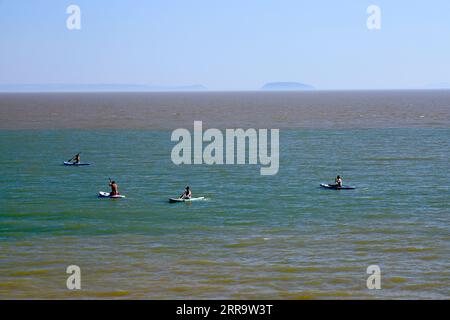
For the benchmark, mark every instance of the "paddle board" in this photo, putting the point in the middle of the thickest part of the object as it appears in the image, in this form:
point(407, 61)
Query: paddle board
point(75, 164)
point(332, 186)
point(185, 200)
point(103, 194)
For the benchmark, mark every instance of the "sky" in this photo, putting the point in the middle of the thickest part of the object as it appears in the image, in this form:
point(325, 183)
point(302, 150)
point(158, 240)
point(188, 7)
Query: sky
point(227, 45)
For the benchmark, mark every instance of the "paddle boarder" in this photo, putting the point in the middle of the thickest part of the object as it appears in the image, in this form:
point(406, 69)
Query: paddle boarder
point(338, 182)
point(114, 188)
point(187, 194)
point(76, 159)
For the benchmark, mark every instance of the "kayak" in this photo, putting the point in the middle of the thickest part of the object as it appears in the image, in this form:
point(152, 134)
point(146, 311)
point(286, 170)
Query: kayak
point(75, 164)
point(103, 194)
point(185, 200)
point(332, 186)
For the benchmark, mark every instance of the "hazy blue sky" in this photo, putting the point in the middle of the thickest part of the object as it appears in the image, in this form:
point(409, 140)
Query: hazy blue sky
point(226, 45)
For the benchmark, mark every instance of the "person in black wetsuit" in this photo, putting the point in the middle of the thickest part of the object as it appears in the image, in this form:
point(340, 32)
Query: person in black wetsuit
point(187, 194)
point(75, 159)
point(338, 182)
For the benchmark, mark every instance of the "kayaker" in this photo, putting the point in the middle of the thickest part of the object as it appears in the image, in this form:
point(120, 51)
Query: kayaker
point(114, 188)
point(187, 194)
point(338, 182)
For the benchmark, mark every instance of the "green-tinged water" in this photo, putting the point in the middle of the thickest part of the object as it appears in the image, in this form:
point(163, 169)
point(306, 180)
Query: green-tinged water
point(254, 237)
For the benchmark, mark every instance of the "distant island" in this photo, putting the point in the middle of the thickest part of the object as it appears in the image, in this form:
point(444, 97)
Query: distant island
point(96, 88)
point(286, 86)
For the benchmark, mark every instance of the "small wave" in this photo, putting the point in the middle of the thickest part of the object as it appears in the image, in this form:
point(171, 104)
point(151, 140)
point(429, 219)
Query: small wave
point(339, 281)
point(426, 286)
point(219, 281)
point(400, 159)
point(111, 294)
point(396, 280)
point(29, 273)
point(373, 242)
point(199, 262)
point(298, 296)
point(247, 243)
point(180, 289)
point(428, 258)
point(287, 269)
point(410, 249)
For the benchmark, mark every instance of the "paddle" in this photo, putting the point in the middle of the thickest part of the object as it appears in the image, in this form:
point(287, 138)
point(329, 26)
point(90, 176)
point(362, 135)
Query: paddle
point(182, 195)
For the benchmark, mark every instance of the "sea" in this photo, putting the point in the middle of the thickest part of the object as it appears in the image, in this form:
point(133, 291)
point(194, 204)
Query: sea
point(253, 237)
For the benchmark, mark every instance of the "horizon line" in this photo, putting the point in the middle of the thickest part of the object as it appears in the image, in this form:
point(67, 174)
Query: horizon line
point(225, 90)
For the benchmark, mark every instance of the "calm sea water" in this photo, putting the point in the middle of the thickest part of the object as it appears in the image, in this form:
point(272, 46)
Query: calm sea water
point(254, 237)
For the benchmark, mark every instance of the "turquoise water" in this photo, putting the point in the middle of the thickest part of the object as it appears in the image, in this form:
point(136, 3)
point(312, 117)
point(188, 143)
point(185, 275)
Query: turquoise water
point(254, 237)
